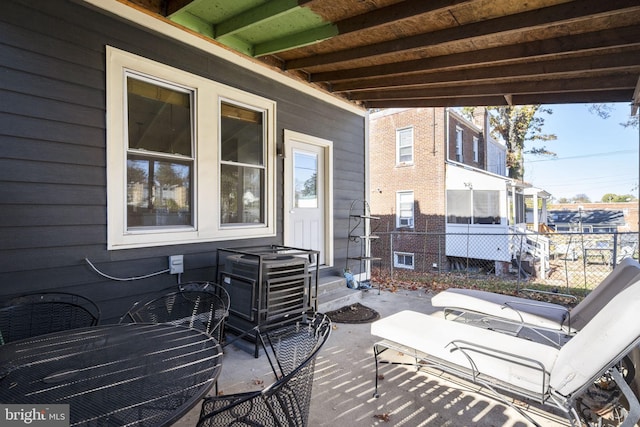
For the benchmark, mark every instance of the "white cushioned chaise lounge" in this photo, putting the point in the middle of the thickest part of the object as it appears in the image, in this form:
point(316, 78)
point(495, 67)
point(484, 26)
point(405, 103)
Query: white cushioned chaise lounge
point(550, 375)
point(538, 314)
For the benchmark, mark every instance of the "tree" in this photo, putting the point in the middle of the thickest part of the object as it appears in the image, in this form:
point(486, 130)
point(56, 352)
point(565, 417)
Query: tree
point(581, 198)
point(604, 112)
point(517, 126)
point(617, 198)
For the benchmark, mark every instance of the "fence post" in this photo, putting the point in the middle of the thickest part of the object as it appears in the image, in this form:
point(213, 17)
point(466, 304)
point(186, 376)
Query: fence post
point(391, 255)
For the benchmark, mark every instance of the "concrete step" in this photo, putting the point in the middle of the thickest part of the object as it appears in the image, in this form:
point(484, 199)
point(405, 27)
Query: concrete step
point(334, 294)
point(331, 283)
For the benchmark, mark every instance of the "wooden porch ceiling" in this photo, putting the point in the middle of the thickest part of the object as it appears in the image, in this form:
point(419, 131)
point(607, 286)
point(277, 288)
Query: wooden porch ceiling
point(418, 53)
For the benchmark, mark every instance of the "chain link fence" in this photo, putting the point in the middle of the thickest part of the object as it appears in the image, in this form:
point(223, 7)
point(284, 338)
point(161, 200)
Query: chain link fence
point(560, 262)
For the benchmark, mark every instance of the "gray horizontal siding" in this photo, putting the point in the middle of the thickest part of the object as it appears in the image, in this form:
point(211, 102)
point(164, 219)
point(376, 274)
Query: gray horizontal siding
point(53, 140)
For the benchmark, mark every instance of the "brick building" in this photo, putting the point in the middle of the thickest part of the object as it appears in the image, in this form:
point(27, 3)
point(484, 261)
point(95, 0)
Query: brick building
point(434, 173)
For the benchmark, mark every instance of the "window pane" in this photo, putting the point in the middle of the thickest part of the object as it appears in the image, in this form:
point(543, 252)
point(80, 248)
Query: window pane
point(405, 145)
point(486, 207)
point(405, 206)
point(241, 195)
point(158, 192)
point(242, 135)
point(459, 206)
point(306, 180)
point(405, 154)
point(159, 118)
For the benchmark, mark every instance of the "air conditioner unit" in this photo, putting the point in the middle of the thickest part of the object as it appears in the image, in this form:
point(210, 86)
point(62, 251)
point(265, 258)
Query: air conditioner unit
point(265, 288)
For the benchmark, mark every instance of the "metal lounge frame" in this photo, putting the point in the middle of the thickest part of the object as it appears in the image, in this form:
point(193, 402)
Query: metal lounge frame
point(491, 309)
point(558, 377)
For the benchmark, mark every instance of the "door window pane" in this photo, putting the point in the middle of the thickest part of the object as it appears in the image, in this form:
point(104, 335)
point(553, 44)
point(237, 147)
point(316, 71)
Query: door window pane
point(306, 180)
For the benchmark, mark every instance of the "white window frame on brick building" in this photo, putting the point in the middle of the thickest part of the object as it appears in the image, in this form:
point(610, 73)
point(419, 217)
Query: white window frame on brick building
point(404, 146)
point(404, 209)
point(476, 154)
point(404, 260)
point(459, 153)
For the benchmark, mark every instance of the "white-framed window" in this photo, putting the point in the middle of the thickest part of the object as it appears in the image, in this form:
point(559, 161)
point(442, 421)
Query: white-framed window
point(188, 159)
point(404, 209)
point(459, 135)
point(403, 260)
point(486, 206)
point(476, 155)
point(404, 146)
point(473, 207)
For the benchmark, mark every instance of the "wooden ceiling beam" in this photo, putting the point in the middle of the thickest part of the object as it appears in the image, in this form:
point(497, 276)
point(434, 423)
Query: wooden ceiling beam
point(437, 102)
point(629, 61)
point(635, 103)
point(524, 99)
point(605, 82)
point(366, 21)
point(519, 22)
point(569, 45)
point(255, 16)
point(394, 13)
point(586, 97)
point(173, 6)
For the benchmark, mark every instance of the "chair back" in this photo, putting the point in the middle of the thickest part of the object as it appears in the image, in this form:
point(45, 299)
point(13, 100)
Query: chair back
point(222, 312)
point(622, 276)
point(196, 309)
point(602, 343)
point(286, 402)
point(36, 314)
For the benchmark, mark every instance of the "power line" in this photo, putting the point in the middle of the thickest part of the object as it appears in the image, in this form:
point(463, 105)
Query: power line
point(583, 156)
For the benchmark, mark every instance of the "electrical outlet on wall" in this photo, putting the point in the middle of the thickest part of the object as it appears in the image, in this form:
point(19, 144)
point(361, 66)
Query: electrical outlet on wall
point(176, 264)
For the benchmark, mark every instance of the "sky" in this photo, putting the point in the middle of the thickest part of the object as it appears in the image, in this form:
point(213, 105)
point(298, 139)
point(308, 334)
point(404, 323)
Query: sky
point(595, 156)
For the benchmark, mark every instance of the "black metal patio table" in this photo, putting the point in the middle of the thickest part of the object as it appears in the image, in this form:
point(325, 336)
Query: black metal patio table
point(127, 374)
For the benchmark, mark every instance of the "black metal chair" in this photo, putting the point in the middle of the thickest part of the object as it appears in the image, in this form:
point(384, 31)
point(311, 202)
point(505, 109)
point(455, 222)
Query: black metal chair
point(222, 312)
point(292, 352)
point(188, 306)
point(41, 313)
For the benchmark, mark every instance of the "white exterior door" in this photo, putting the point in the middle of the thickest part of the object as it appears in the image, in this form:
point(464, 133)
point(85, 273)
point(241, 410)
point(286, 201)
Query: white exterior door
point(307, 176)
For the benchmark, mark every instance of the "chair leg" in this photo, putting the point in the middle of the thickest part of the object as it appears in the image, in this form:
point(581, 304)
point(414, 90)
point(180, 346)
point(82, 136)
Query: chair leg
point(634, 406)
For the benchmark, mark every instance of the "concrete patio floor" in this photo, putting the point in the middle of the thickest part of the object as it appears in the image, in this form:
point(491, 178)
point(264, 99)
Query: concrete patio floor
point(345, 375)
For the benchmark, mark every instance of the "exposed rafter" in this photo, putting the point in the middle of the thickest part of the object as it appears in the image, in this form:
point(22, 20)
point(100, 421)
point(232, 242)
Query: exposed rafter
point(552, 15)
point(576, 66)
point(392, 53)
point(613, 38)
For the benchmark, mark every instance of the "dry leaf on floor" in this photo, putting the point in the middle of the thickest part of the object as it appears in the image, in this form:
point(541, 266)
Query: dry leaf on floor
point(384, 417)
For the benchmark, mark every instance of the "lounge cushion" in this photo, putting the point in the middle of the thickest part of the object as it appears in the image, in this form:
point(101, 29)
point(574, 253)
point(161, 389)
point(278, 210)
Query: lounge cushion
point(608, 335)
point(536, 313)
point(433, 336)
